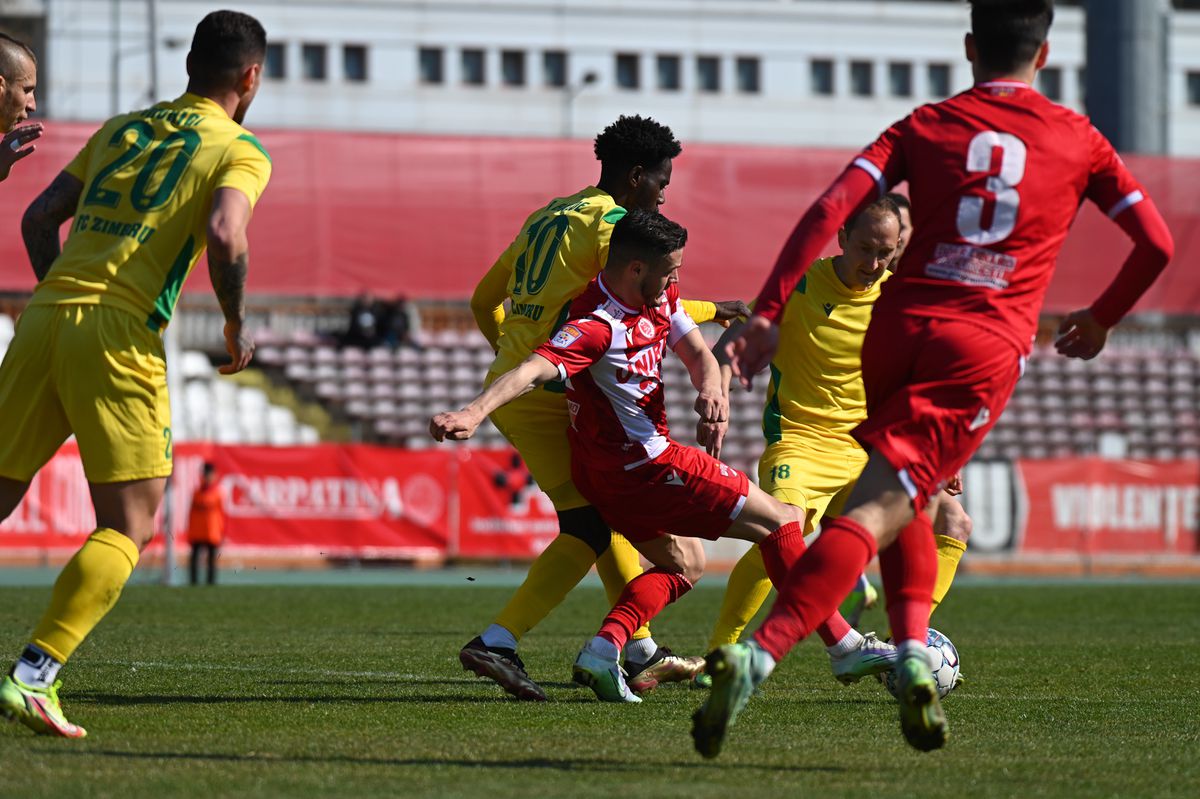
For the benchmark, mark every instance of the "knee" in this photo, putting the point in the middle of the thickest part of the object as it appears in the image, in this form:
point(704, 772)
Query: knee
point(692, 559)
point(953, 521)
point(588, 526)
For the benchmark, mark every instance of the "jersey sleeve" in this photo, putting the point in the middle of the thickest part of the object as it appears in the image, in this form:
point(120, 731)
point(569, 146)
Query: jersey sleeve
point(681, 321)
point(1110, 186)
point(701, 311)
point(245, 167)
point(577, 345)
point(487, 301)
point(884, 159)
point(79, 164)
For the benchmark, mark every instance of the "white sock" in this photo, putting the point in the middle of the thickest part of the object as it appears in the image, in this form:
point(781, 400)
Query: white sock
point(914, 648)
point(850, 641)
point(35, 668)
point(641, 650)
point(497, 637)
point(604, 648)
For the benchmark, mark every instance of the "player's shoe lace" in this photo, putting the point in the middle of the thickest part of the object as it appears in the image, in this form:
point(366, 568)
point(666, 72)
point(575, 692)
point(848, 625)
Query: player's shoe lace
point(871, 656)
point(921, 717)
point(663, 666)
point(603, 676)
point(36, 708)
point(735, 675)
point(501, 666)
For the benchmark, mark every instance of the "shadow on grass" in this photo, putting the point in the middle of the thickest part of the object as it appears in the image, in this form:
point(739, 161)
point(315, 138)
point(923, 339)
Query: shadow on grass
point(554, 764)
point(122, 700)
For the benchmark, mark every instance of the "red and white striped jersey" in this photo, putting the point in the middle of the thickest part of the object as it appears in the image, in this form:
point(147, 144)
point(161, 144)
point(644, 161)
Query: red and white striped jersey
point(610, 356)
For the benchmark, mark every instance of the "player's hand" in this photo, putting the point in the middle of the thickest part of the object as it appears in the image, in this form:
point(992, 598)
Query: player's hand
point(1081, 336)
point(711, 436)
point(17, 144)
point(753, 348)
point(454, 425)
point(730, 310)
point(955, 486)
point(240, 347)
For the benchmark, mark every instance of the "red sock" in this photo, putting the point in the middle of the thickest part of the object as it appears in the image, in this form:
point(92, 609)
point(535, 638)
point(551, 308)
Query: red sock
point(909, 569)
point(780, 552)
point(816, 585)
point(642, 600)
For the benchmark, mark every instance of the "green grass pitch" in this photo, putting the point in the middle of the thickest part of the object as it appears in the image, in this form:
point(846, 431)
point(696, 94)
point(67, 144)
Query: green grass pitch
point(1072, 691)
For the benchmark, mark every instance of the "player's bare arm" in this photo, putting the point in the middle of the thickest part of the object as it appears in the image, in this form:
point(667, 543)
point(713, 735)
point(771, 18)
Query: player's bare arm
point(228, 263)
point(18, 144)
point(712, 403)
point(487, 301)
point(534, 371)
point(730, 311)
point(44, 217)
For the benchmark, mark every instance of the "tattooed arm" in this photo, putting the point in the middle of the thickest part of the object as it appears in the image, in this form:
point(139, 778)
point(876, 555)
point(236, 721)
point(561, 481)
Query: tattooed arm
point(43, 218)
point(228, 259)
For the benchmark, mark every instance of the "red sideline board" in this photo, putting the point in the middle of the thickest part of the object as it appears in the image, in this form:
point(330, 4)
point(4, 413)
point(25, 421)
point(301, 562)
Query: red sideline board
point(356, 501)
point(326, 501)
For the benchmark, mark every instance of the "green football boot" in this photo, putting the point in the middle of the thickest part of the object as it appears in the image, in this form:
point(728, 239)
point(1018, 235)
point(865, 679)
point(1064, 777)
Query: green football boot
point(921, 717)
point(36, 708)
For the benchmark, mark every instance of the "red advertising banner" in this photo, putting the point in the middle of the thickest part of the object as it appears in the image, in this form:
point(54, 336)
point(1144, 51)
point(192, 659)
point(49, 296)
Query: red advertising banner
point(328, 501)
point(1093, 506)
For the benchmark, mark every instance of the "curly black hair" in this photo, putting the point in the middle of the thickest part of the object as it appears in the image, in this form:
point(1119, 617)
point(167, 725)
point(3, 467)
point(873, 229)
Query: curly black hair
point(635, 141)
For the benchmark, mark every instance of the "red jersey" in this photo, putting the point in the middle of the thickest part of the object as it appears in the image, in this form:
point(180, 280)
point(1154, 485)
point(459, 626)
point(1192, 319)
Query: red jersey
point(996, 175)
point(610, 356)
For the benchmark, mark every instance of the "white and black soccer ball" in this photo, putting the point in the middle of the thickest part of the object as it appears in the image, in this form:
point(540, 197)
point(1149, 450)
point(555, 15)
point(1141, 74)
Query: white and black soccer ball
point(944, 657)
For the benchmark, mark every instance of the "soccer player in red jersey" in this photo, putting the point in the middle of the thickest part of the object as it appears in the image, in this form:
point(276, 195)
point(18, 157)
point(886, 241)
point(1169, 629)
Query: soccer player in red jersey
point(996, 175)
point(661, 494)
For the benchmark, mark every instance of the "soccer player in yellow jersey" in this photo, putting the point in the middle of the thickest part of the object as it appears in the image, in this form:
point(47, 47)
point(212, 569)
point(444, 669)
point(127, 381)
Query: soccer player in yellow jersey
point(560, 249)
point(815, 398)
point(147, 192)
point(18, 82)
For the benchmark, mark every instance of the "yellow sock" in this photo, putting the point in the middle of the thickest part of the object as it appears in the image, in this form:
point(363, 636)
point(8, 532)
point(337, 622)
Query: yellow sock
point(745, 593)
point(949, 553)
point(86, 589)
point(556, 571)
point(618, 565)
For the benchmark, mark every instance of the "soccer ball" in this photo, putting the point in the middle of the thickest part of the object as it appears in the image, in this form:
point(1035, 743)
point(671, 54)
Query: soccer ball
point(945, 664)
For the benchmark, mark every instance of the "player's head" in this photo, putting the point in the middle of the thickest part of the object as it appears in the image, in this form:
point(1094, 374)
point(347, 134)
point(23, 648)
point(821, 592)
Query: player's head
point(905, 209)
point(868, 242)
point(226, 58)
point(18, 80)
point(1008, 36)
point(645, 253)
point(635, 161)
point(210, 471)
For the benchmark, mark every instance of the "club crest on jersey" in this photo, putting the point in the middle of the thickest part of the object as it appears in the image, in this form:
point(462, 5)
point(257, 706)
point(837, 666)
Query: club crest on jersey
point(645, 327)
point(566, 336)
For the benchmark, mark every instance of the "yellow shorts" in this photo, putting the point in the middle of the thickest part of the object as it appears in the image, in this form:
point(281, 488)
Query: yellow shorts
point(536, 424)
point(94, 371)
point(818, 480)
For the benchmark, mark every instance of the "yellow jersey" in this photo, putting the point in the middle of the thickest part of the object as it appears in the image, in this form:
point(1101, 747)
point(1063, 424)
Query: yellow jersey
point(816, 388)
point(559, 250)
point(148, 180)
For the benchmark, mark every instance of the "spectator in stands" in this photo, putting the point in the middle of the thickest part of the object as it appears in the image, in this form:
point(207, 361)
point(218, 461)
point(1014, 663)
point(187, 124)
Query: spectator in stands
point(398, 322)
point(206, 524)
point(364, 328)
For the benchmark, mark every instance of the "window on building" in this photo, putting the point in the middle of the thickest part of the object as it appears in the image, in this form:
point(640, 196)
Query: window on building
point(821, 76)
point(708, 73)
point(554, 68)
point(354, 63)
point(748, 75)
point(900, 79)
point(1193, 88)
point(939, 80)
point(275, 62)
point(473, 71)
point(314, 58)
point(1081, 85)
point(512, 67)
point(430, 66)
point(862, 78)
point(667, 67)
point(628, 76)
point(1050, 83)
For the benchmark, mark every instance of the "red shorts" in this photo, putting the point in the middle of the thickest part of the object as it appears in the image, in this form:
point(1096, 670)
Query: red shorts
point(683, 491)
point(935, 387)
